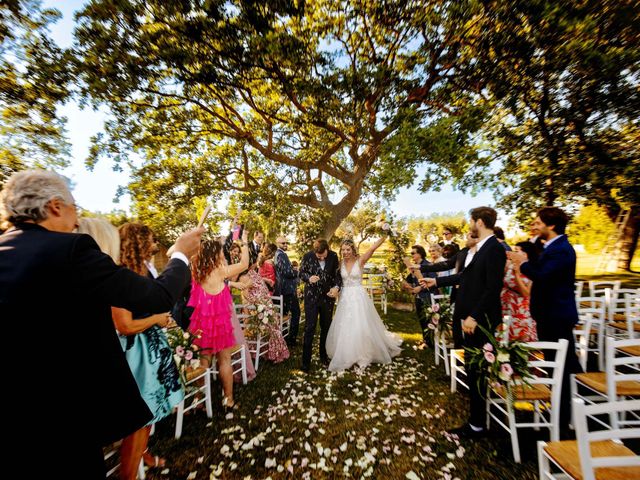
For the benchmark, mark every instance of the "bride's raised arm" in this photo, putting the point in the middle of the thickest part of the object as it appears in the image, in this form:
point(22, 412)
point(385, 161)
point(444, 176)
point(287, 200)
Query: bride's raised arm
point(364, 258)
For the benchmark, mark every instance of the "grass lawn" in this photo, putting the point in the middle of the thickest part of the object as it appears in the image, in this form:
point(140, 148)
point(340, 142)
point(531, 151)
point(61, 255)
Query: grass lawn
point(383, 422)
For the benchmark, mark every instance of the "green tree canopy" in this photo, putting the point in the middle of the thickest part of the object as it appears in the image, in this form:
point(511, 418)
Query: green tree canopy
point(305, 105)
point(34, 77)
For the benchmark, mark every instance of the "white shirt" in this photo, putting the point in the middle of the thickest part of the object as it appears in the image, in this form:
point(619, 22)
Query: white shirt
point(549, 242)
point(322, 263)
point(471, 254)
point(179, 256)
point(152, 268)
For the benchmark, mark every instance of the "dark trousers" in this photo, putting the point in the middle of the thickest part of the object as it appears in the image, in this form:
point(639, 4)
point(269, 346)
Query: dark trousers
point(291, 305)
point(553, 333)
point(312, 311)
point(421, 307)
point(477, 381)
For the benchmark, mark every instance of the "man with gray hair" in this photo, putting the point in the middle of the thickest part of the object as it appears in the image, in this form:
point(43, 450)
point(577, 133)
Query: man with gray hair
point(72, 379)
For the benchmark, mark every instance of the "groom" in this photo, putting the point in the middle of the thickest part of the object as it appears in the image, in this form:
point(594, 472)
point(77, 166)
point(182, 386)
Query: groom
point(320, 272)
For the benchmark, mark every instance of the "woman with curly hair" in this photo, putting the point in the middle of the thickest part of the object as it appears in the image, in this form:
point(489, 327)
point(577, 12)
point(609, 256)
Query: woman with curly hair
point(146, 348)
point(213, 306)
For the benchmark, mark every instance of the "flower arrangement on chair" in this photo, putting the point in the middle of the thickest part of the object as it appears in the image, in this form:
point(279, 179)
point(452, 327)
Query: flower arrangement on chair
point(185, 353)
point(440, 316)
point(504, 363)
point(261, 319)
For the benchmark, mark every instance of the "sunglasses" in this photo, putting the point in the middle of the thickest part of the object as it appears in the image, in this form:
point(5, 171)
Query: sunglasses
point(283, 243)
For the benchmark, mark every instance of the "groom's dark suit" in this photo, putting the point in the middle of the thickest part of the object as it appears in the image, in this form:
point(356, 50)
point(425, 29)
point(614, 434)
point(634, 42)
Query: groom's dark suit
point(480, 285)
point(316, 301)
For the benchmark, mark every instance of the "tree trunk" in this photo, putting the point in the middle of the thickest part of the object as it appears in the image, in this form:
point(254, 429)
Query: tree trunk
point(338, 213)
point(630, 239)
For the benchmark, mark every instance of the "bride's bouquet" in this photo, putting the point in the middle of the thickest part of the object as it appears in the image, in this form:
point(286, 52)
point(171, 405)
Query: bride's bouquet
point(384, 227)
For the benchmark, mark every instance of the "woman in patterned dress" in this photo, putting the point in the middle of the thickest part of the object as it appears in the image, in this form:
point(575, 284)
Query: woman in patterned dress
point(516, 292)
point(256, 293)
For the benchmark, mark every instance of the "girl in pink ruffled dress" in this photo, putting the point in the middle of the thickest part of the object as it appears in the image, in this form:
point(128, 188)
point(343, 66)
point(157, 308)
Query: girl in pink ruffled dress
point(256, 292)
point(213, 306)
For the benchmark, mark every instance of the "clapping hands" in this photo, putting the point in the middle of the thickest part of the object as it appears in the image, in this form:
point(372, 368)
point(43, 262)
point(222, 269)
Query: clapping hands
point(428, 282)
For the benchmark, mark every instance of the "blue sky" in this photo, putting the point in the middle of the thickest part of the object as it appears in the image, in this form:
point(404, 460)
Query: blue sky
point(96, 190)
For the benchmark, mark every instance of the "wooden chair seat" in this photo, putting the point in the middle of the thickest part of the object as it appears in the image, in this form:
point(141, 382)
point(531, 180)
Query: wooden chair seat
point(633, 351)
point(528, 393)
point(623, 326)
point(194, 373)
point(459, 354)
point(620, 317)
point(566, 455)
point(598, 382)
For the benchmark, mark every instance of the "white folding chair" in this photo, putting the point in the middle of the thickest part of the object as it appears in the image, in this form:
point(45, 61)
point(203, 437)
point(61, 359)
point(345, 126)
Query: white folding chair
point(595, 454)
point(278, 305)
point(110, 453)
point(621, 378)
point(197, 391)
point(597, 289)
point(238, 363)
point(377, 290)
point(258, 347)
point(458, 373)
point(591, 338)
point(441, 344)
point(578, 287)
point(542, 391)
point(626, 324)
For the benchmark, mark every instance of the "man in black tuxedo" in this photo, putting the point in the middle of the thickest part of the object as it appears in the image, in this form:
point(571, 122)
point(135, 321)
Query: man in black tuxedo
point(478, 304)
point(553, 304)
point(287, 286)
point(255, 247)
point(320, 272)
point(456, 262)
point(56, 292)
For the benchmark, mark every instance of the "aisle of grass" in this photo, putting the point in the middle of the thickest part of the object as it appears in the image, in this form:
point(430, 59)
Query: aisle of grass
point(383, 422)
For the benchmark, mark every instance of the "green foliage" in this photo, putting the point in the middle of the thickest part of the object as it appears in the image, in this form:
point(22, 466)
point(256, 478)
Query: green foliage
point(33, 82)
point(591, 227)
point(301, 104)
point(360, 225)
point(427, 230)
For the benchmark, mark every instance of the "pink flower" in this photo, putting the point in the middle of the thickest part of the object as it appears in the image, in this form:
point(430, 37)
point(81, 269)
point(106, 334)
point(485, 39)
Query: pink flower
point(188, 355)
point(180, 350)
point(489, 357)
point(488, 347)
point(435, 308)
point(506, 372)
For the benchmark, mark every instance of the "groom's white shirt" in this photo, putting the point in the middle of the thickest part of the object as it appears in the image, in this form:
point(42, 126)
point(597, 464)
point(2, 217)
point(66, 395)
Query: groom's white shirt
point(322, 263)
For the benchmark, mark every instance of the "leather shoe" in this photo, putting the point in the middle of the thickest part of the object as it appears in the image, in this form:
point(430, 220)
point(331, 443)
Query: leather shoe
point(465, 431)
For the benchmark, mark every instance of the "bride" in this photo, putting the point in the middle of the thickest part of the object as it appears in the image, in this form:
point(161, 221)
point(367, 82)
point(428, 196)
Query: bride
point(357, 334)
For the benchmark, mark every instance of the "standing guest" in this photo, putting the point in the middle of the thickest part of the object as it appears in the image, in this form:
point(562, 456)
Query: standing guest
point(265, 266)
point(535, 238)
point(320, 271)
point(457, 263)
point(147, 350)
point(449, 251)
point(255, 292)
point(255, 247)
point(98, 402)
point(422, 294)
point(478, 303)
point(499, 233)
point(516, 292)
point(448, 239)
point(435, 256)
point(553, 303)
point(212, 309)
point(287, 286)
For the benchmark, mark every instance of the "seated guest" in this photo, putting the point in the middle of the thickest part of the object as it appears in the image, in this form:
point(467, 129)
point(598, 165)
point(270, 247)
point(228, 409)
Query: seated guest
point(95, 399)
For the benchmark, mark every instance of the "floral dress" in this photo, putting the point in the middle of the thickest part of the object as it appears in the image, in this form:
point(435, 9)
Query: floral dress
point(258, 293)
point(516, 306)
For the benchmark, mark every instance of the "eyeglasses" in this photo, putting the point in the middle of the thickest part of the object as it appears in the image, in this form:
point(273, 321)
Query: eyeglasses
point(283, 243)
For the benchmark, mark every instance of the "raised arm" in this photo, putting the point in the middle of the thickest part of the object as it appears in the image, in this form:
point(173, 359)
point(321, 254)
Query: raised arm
point(237, 268)
point(364, 258)
point(448, 264)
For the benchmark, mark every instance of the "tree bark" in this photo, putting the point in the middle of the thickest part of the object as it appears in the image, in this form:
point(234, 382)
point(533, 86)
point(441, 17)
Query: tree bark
point(630, 237)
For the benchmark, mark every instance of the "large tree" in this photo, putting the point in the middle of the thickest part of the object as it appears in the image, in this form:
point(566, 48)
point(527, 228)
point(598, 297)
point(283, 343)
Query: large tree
point(33, 82)
point(300, 105)
point(565, 80)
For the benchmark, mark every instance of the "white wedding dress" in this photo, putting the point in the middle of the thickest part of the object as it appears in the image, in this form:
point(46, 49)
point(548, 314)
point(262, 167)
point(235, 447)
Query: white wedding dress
point(357, 334)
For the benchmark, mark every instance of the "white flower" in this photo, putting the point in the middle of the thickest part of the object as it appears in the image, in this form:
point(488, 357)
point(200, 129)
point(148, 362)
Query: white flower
point(503, 357)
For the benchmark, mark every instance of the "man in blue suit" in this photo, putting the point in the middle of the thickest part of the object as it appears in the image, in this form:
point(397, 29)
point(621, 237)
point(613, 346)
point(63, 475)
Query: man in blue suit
point(553, 303)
